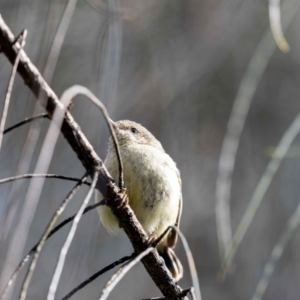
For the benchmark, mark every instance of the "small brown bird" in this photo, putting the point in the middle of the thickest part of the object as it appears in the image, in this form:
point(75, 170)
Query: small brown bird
point(153, 186)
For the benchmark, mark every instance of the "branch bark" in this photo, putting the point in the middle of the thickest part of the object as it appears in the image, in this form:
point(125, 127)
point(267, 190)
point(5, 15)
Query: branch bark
point(91, 161)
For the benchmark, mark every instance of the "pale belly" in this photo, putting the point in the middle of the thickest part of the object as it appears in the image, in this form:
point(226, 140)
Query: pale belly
point(153, 189)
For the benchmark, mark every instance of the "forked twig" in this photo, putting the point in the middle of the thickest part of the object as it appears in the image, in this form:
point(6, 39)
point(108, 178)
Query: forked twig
point(259, 193)
point(65, 248)
point(41, 243)
point(97, 274)
point(90, 160)
point(22, 38)
point(75, 90)
point(25, 121)
point(106, 291)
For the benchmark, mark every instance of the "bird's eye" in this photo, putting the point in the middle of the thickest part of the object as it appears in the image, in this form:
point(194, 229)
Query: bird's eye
point(134, 130)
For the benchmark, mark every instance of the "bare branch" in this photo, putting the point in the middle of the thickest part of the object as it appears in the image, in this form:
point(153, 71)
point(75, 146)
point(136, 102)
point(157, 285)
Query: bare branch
point(27, 120)
point(96, 275)
point(90, 160)
point(105, 292)
point(26, 176)
point(65, 248)
point(22, 38)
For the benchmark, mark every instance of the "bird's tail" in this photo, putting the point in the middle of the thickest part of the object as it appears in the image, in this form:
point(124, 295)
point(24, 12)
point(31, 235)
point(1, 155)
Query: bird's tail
point(172, 262)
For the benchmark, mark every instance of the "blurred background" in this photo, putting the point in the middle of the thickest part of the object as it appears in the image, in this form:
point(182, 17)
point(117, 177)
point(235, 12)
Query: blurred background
point(177, 67)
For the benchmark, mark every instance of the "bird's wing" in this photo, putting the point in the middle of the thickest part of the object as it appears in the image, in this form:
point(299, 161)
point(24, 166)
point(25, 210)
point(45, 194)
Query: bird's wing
point(173, 235)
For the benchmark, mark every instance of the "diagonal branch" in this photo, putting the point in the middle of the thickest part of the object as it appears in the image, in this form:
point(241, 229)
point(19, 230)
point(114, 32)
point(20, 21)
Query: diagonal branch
point(90, 160)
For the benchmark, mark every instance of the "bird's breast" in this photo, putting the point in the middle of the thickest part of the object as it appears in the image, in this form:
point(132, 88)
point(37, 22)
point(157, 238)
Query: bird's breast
point(151, 180)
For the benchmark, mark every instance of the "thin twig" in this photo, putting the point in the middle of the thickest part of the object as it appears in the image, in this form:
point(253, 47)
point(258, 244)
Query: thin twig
point(238, 115)
point(277, 251)
point(22, 38)
point(276, 28)
point(105, 292)
point(33, 250)
point(27, 120)
point(65, 248)
point(26, 176)
point(259, 193)
point(42, 241)
point(75, 90)
point(191, 263)
point(96, 275)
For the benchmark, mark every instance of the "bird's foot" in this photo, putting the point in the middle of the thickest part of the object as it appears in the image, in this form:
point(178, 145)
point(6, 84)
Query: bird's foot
point(122, 199)
point(152, 240)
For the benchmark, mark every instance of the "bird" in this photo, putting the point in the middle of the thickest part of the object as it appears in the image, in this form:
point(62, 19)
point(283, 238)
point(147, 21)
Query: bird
point(153, 184)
